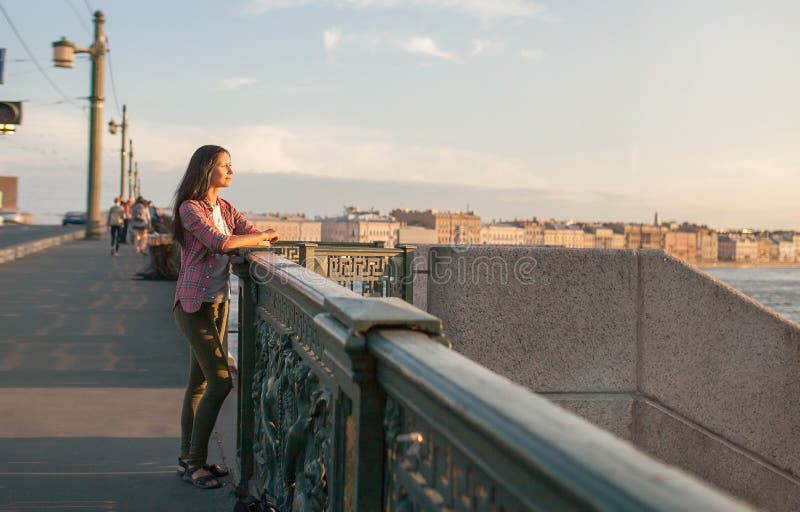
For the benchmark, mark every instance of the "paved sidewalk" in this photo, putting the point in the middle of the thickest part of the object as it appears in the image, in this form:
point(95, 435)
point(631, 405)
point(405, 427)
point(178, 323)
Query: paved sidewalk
point(92, 369)
point(15, 234)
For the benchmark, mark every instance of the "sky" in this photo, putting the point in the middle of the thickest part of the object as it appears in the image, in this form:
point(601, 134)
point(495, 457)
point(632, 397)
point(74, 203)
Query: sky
point(580, 110)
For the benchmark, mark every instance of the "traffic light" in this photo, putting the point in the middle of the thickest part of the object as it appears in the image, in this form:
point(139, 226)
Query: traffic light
point(10, 116)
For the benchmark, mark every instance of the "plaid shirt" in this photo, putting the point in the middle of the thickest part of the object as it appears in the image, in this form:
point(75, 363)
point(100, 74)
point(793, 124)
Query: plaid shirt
point(203, 240)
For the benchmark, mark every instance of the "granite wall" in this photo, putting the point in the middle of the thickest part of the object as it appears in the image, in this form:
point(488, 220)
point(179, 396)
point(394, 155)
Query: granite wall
point(685, 367)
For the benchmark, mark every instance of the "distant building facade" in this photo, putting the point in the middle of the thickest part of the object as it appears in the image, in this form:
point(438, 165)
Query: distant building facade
point(768, 249)
point(294, 228)
point(564, 236)
point(416, 235)
point(502, 234)
point(9, 193)
point(682, 245)
point(796, 243)
point(786, 249)
point(726, 247)
point(643, 236)
point(356, 226)
point(603, 238)
point(534, 232)
point(707, 246)
point(746, 250)
point(450, 227)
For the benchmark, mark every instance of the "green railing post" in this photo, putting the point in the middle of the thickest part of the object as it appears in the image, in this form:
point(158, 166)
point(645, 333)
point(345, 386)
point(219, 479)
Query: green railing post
point(248, 295)
point(407, 272)
point(363, 480)
point(307, 251)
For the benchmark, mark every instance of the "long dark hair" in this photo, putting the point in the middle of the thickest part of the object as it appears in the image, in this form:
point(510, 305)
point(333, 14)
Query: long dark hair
point(194, 184)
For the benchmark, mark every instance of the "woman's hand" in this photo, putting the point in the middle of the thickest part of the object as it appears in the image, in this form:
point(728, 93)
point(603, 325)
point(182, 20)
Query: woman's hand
point(270, 235)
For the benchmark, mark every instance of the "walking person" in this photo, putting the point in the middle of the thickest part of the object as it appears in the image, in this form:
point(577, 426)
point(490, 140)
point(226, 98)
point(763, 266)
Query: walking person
point(207, 228)
point(140, 222)
point(115, 221)
point(126, 205)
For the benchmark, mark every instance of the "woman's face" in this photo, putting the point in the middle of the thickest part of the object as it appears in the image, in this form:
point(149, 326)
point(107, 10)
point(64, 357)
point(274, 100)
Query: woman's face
point(222, 172)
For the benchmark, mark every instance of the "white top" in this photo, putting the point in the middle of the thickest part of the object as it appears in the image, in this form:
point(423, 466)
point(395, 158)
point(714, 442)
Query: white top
point(219, 222)
point(218, 287)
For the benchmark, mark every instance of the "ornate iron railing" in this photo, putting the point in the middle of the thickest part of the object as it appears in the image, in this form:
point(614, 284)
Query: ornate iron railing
point(348, 403)
point(371, 270)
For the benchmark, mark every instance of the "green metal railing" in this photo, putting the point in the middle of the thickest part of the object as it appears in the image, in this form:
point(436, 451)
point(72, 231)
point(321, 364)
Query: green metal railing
point(371, 270)
point(347, 403)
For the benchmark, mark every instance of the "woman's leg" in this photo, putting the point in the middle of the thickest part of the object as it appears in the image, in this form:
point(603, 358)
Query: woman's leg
point(201, 329)
point(192, 396)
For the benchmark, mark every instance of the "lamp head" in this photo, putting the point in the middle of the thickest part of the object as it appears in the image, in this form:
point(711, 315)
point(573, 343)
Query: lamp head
point(63, 53)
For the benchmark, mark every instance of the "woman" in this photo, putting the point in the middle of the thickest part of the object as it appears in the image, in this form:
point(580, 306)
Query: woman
point(207, 227)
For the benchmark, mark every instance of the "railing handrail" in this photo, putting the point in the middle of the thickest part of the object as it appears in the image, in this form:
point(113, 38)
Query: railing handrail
point(511, 423)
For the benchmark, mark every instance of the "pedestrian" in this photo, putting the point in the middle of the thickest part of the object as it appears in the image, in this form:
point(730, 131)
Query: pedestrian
point(156, 218)
point(126, 204)
point(140, 222)
point(208, 228)
point(115, 221)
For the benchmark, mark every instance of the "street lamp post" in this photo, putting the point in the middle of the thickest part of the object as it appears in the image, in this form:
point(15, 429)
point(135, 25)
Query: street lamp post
point(64, 57)
point(130, 166)
point(112, 129)
point(137, 184)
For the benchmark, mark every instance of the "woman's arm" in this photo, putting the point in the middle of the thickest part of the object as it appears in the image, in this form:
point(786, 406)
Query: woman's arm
point(236, 241)
point(201, 226)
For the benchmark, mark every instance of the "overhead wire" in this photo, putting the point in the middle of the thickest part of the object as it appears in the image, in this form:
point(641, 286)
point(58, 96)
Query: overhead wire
point(110, 66)
point(35, 61)
point(114, 85)
point(77, 15)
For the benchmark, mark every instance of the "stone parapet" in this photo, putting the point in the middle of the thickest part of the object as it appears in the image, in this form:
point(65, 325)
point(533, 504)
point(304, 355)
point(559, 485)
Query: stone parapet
point(632, 340)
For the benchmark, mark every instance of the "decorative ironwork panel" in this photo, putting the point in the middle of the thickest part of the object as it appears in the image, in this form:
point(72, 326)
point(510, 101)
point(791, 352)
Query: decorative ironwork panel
point(364, 269)
point(369, 276)
point(293, 426)
point(426, 472)
point(286, 313)
point(290, 252)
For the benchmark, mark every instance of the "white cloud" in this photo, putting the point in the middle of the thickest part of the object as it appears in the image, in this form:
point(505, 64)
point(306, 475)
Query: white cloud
point(487, 47)
point(332, 38)
point(486, 10)
point(335, 39)
point(303, 89)
point(333, 151)
point(230, 84)
point(426, 46)
point(531, 54)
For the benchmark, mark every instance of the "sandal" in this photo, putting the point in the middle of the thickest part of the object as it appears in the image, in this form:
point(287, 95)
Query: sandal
point(217, 470)
point(202, 482)
point(182, 467)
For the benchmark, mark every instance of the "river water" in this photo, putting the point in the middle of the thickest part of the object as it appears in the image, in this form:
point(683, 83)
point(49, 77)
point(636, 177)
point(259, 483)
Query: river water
point(776, 288)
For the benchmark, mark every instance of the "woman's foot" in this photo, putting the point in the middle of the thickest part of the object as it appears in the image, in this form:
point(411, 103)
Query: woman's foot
point(217, 470)
point(182, 467)
point(201, 477)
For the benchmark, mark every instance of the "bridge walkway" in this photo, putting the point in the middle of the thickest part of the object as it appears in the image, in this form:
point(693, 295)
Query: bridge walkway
point(92, 370)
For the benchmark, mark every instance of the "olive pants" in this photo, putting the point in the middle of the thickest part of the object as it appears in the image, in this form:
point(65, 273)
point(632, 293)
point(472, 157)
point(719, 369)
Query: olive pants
point(209, 377)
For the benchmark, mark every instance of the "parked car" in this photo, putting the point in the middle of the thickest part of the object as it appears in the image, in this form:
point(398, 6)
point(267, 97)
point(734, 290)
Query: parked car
point(74, 218)
point(2, 220)
point(12, 217)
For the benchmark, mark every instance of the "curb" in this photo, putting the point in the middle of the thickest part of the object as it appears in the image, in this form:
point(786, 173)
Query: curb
point(21, 250)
